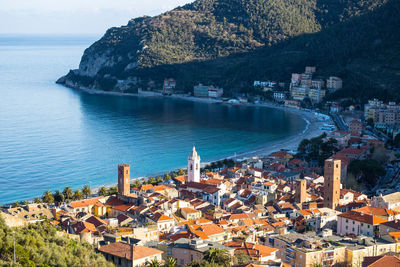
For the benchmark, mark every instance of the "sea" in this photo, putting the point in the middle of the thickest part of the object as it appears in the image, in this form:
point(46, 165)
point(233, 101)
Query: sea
point(52, 136)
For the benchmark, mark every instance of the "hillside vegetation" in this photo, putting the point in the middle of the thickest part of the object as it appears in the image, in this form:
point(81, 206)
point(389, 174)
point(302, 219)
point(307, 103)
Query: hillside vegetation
point(42, 245)
point(231, 43)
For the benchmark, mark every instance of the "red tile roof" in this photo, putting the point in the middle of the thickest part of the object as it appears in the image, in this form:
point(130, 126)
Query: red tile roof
point(159, 217)
point(129, 252)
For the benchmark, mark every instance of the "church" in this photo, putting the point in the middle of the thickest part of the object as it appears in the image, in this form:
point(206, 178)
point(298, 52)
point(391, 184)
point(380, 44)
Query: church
point(194, 188)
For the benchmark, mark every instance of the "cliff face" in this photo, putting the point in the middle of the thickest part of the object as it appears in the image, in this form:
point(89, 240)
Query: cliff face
point(225, 42)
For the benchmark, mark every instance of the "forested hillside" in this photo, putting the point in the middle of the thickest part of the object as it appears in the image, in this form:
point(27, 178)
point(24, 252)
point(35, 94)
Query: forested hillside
point(42, 245)
point(230, 43)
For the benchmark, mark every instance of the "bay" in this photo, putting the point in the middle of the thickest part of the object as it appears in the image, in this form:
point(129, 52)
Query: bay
point(52, 136)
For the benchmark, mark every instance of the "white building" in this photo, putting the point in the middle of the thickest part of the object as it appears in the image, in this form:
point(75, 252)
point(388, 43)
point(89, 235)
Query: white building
point(194, 167)
point(390, 201)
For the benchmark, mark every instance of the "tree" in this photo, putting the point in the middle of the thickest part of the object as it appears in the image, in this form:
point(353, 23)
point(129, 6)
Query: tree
point(180, 172)
point(86, 191)
point(112, 190)
point(218, 256)
point(370, 122)
point(368, 170)
point(167, 176)
point(137, 183)
point(170, 262)
point(153, 263)
point(151, 180)
point(48, 197)
point(58, 197)
point(241, 258)
point(37, 200)
point(78, 195)
point(159, 179)
point(68, 193)
point(102, 191)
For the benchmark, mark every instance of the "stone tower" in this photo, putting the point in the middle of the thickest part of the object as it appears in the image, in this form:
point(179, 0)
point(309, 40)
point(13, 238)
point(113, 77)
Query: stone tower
point(194, 167)
point(124, 179)
point(301, 191)
point(332, 173)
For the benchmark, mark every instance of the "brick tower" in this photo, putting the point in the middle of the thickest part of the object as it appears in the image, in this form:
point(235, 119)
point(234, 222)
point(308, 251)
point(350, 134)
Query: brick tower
point(301, 191)
point(332, 173)
point(124, 179)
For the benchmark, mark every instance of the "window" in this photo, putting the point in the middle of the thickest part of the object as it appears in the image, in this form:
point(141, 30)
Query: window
point(182, 261)
point(127, 172)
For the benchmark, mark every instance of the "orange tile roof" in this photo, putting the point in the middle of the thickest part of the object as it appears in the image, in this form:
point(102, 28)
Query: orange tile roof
point(84, 203)
point(379, 261)
point(146, 187)
point(159, 217)
point(129, 252)
point(376, 211)
point(362, 217)
point(160, 188)
point(189, 210)
point(212, 229)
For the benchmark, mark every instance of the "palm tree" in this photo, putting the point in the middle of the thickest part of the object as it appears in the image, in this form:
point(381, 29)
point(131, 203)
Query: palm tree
point(137, 183)
point(151, 180)
point(102, 191)
point(167, 176)
point(58, 198)
point(86, 191)
point(48, 197)
point(153, 263)
point(68, 193)
point(171, 262)
point(78, 195)
point(218, 256)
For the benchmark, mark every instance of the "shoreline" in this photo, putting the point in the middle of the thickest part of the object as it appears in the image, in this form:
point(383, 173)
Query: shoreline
point(312, 129)
point(312, 119)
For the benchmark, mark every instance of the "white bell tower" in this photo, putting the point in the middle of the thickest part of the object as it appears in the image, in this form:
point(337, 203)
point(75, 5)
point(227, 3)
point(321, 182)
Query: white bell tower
point(194, 167)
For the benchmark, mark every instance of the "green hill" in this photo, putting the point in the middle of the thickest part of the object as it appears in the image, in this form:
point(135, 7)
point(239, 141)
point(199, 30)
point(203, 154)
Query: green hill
point(231, 43)
point(42, 245)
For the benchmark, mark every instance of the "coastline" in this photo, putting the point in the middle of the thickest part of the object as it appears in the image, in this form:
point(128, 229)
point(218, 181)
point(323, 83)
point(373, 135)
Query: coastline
point(312, 128)
point(313, 120)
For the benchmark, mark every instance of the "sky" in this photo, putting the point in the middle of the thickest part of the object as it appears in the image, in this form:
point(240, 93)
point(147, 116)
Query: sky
point(76, 17)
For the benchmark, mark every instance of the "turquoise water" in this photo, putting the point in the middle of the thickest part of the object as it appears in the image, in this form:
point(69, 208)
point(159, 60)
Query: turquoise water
point(52, 136)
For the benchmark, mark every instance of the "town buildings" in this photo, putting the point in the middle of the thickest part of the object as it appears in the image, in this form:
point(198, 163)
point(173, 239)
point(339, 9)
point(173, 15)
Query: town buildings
point(207, 91)
point(278, 209)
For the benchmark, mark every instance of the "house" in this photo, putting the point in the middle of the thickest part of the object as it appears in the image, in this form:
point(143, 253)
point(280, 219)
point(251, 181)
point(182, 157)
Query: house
point(353, 153)
point(357, 223)
point(390, 201)
point(85, 205)
point(164, 223)
point(378, 261)
point(342, 137)
point(123, 254)
point(281, 157)
point(210, 232)
point(185, 250)
point(190, 214)
point(169, 85)
point(347, 196)
point(146, 234)
point(279, 96)
point(355, 127)
point(260, 254)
